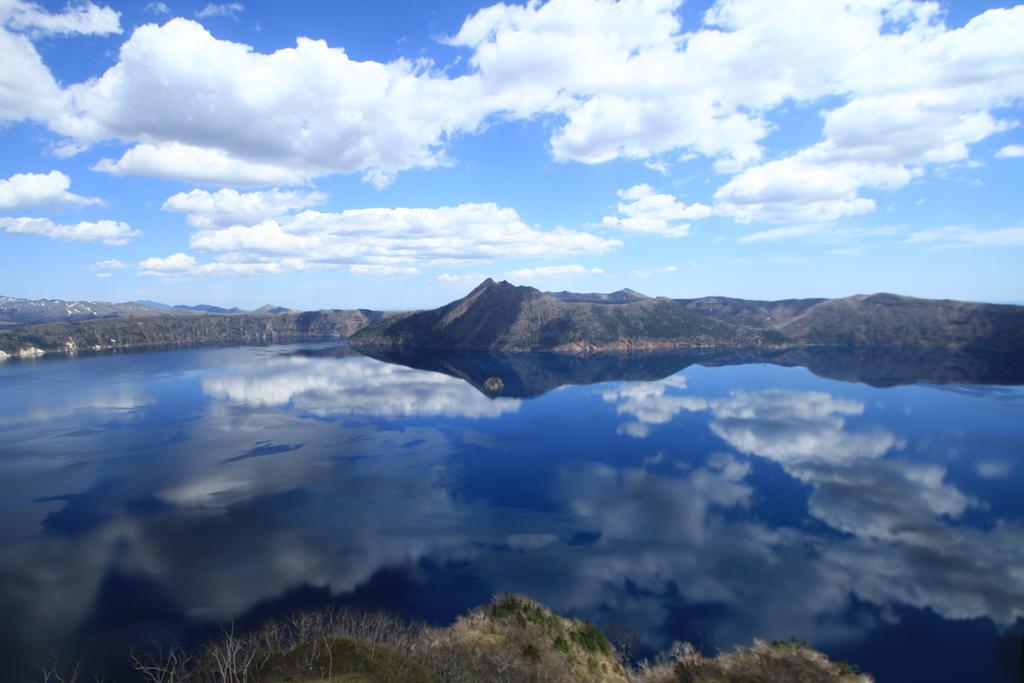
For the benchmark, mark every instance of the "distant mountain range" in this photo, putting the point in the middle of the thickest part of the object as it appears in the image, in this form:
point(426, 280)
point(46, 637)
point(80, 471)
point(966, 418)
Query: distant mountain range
point(500, 316)
point(181, 329)
point(15, 311)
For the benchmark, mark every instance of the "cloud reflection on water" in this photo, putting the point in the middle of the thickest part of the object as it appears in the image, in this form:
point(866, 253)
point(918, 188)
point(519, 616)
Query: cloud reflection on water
point(252, 490)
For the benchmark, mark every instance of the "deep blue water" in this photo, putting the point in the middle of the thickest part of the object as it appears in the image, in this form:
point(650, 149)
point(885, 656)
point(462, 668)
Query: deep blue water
point(154, 496)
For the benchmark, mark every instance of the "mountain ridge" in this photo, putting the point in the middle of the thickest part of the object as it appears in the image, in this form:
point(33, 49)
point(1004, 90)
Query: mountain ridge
point(501, 316)
point(20, 311)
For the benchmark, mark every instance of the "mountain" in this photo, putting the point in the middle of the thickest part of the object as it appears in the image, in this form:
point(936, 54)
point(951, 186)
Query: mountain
point(15, 311)
point(623, 296)
point(207, 308)
point(271, 309)
point(498, 315)
point(501, 316)
point(182, 329)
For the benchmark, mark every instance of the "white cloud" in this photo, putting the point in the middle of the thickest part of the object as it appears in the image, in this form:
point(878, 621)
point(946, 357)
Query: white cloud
point(807, 187)
point(916, 97)
point(39, 189)
point(225, 9)
point(27, 88)
point(79, 18)
point(656, 271)
point(659, 166)
point(1011, 152)
point(181, 265)
point(110, 232)
point(222, 112)
point(108, 264)
point(157, 8)
point(372, 269)
point(642, 210)
point(969, 237)
point(200, 165)
point(617, 80)
point(229, 207)
point(553, 271)
point(388, 239)
point(176, 263)
point(451, 278)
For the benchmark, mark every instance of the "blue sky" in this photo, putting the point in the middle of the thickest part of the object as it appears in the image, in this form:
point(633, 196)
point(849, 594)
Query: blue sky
point(391, 155)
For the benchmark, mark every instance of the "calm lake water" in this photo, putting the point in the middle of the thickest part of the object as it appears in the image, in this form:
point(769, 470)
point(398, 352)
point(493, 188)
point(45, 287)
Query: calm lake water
point(154, 496)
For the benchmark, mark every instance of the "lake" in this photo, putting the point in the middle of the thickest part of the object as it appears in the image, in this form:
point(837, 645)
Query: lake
point(878, 515)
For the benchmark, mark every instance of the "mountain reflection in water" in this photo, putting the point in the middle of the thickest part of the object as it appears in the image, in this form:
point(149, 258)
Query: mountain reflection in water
point(703, 496)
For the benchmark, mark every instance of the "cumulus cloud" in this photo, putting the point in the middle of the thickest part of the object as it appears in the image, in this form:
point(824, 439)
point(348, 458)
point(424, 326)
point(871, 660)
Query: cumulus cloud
point(917, 97)
point(229, 207)
point(27, 88)
point(109, 232)
point(1011, 152)
point(78, 18)
point(969, 237)
point(222, 112)
point(39, 189)
point(616, 80)
point(201, 165)
point(157, 8)
point(622, 74)
point(642, 210)
point(553, 271)
point(376, 240)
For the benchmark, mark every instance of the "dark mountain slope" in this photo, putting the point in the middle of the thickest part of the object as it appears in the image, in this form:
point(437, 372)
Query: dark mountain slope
point(503, 316)
point(750, 312)
point(888, 320)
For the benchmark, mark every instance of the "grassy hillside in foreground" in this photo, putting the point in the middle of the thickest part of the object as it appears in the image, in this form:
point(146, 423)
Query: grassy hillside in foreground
point(511, 640)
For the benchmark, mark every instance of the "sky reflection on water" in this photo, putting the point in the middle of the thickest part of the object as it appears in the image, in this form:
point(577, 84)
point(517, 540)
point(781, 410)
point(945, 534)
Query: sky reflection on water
point(154, 496)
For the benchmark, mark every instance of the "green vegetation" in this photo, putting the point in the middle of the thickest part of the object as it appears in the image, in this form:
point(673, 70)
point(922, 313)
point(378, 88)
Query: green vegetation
point(512, 640)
